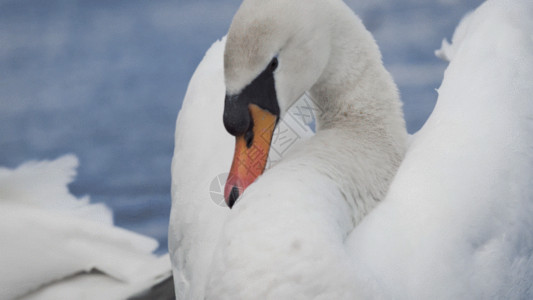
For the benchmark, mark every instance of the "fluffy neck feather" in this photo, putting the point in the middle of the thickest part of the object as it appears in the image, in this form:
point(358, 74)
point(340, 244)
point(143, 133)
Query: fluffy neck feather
point(361, 136)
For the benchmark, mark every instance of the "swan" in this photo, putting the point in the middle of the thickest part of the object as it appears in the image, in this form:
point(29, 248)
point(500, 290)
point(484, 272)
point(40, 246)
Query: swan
point(455, 222)
point(55, 246)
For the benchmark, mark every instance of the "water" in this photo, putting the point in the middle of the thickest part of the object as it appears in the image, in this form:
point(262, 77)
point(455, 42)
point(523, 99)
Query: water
point(104, 80)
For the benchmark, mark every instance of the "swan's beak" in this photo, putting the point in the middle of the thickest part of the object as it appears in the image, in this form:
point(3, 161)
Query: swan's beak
point(251, 153)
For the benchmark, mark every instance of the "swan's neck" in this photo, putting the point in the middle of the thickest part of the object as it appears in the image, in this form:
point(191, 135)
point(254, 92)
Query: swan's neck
point(361, 135)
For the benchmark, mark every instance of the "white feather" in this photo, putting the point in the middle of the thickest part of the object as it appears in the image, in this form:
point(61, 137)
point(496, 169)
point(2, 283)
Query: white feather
point(51, 242)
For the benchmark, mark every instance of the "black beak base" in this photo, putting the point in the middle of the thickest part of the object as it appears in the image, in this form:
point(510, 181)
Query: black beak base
point(261, 92)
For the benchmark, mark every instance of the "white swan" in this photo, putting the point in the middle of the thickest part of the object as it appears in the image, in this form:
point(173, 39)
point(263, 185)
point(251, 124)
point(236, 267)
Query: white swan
point(456, 222)
point(54, 246)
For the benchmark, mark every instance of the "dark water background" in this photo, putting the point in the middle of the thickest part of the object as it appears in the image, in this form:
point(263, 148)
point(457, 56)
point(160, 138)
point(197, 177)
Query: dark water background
point(105, 79)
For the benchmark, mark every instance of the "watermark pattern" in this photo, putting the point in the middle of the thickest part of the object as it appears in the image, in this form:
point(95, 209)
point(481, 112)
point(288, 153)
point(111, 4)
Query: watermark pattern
point(216, 189)
point(305, 111)
point(292, 127)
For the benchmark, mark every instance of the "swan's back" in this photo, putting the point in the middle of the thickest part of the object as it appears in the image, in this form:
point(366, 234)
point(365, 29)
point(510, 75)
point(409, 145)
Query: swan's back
point(457, 221)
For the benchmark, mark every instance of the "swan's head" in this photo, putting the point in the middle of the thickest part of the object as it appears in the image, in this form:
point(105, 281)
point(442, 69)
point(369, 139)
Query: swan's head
point(276, 50)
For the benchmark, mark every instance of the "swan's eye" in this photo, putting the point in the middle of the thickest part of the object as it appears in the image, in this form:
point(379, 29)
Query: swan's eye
point(274, 64)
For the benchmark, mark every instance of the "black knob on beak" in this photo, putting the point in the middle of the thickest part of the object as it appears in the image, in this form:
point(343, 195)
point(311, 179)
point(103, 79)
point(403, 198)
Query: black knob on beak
point(233, 196)
point(236, 115)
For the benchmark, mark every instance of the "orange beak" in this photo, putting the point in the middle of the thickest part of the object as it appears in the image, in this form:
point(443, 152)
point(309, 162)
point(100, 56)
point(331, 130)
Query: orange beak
point(251, 153)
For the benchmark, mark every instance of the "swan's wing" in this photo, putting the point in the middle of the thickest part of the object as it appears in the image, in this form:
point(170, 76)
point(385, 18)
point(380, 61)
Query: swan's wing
point(50, 241)
point(43, 184)
point(98, 285)
point(457, 223)
point(201, 162)
point(202, 157)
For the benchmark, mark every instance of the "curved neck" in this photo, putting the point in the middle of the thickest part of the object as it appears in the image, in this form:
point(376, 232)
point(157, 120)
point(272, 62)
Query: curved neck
point(354, 82)
point(361, 136)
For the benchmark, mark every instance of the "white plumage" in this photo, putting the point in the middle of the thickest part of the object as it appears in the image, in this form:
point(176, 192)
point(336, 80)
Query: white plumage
point(457, 221)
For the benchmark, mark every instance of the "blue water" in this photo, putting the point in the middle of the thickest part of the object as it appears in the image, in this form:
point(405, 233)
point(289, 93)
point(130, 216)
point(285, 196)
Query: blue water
point(105, 80)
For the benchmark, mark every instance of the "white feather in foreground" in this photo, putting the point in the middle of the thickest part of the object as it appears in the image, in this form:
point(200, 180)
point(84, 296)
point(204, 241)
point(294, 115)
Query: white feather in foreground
point(55, 246)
